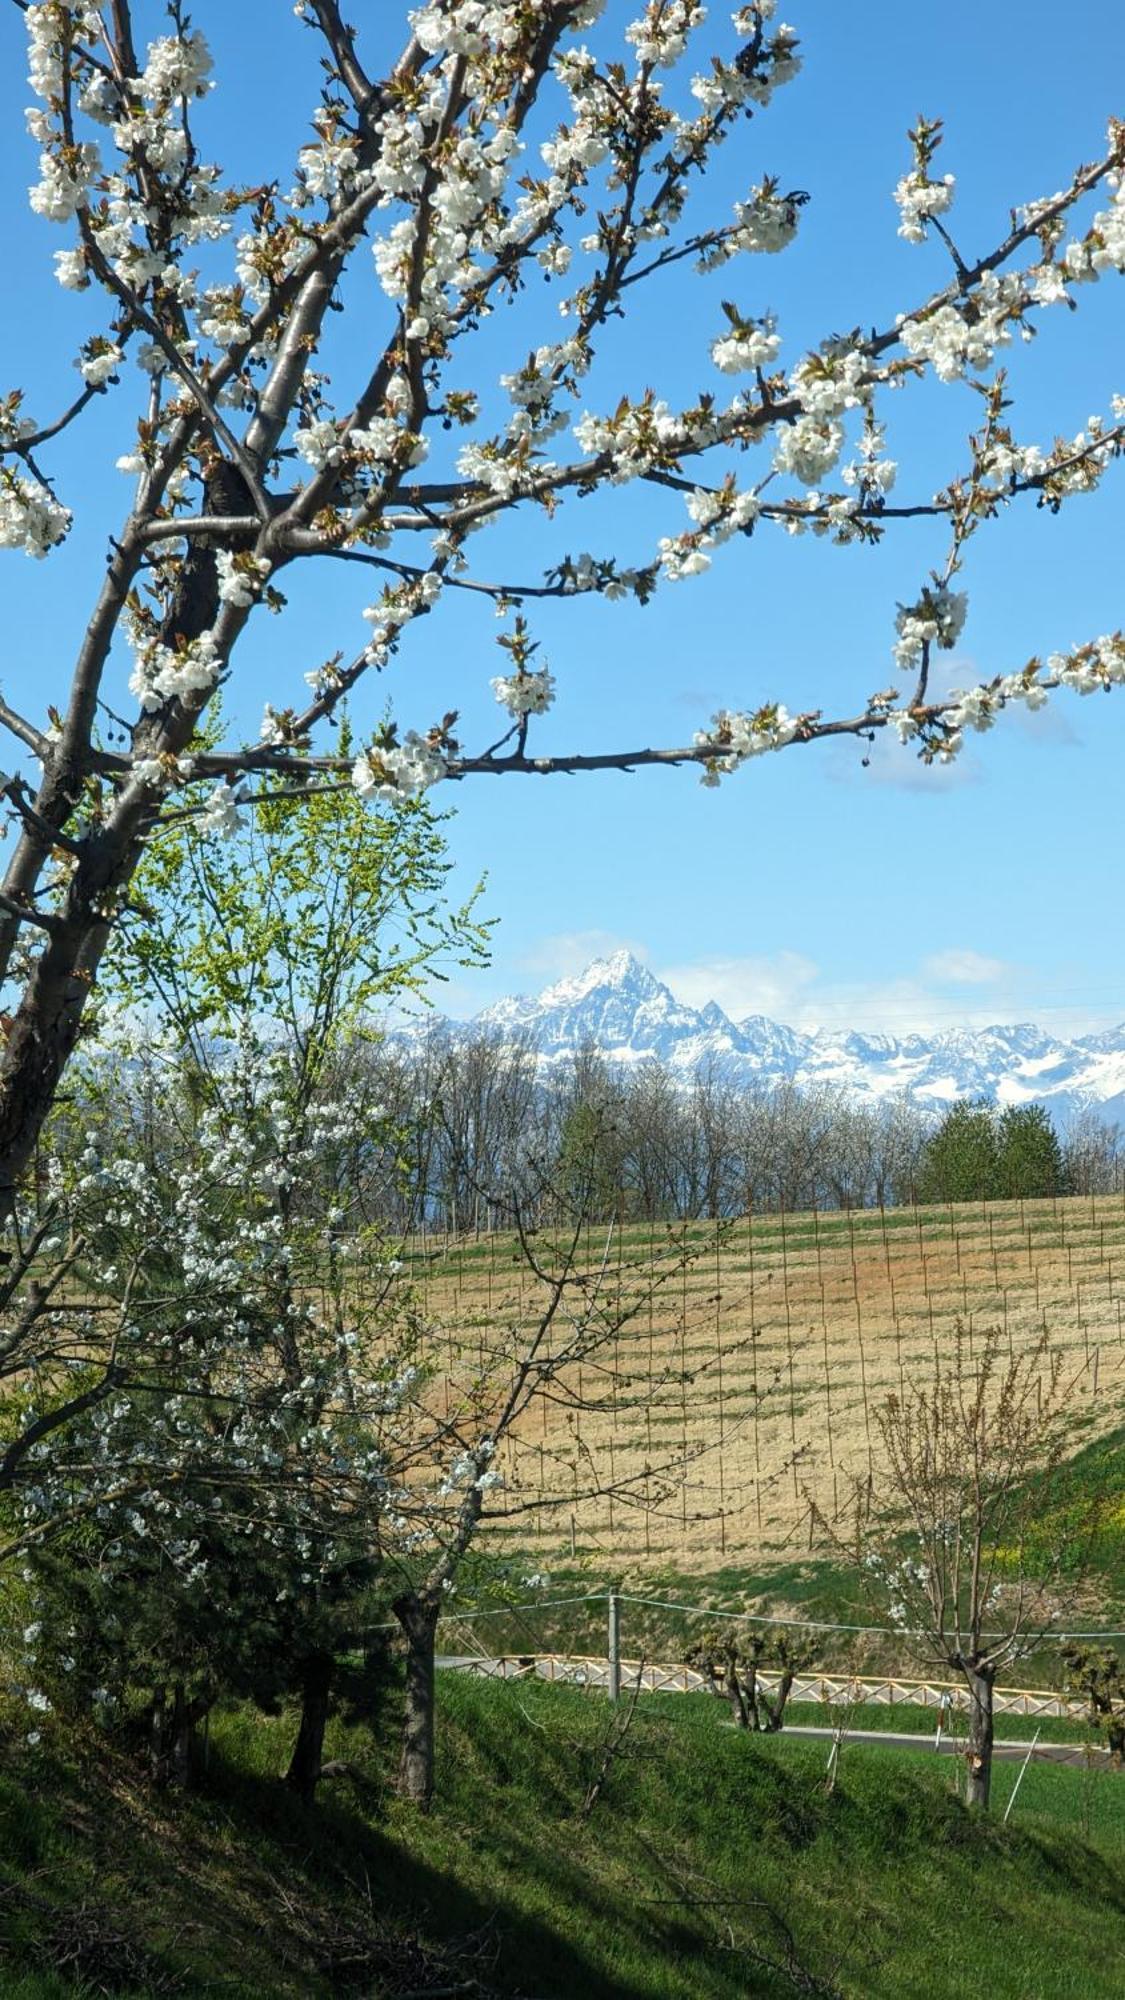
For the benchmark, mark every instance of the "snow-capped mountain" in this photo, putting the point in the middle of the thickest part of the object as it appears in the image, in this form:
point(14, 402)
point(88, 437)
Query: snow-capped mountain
point(617, 1006)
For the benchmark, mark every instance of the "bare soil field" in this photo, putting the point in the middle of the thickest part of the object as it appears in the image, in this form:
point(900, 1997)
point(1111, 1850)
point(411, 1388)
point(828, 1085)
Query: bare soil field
point(745, 1387)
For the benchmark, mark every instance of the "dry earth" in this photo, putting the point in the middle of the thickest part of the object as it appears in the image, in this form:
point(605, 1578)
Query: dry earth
point(746, 1383)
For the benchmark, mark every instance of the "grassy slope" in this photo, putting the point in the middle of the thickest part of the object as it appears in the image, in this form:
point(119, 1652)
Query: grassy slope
point(702, 1839)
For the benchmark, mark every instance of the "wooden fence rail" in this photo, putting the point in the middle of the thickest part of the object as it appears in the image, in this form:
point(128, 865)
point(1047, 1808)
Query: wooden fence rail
point(589, 1670)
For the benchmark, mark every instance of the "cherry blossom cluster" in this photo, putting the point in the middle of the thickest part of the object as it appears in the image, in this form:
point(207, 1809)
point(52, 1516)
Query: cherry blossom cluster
point(163, 673)
point(31, 518)
point(399, 770)
point(938, 618)
point(736, 736)
point(921, 196)
point(525, 693)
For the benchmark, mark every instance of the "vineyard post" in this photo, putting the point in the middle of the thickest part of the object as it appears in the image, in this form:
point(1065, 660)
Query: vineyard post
point(614, 1646)
point(824, 1338)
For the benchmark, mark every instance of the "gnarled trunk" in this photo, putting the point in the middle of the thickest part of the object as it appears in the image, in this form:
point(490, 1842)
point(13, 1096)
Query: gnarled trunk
point(418, 1616)
point(978, 1753)
point(307, 1761)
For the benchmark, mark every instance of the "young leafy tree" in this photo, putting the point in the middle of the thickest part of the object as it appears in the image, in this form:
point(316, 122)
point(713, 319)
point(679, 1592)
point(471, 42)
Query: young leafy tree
point(502, 144)
point(314, 918)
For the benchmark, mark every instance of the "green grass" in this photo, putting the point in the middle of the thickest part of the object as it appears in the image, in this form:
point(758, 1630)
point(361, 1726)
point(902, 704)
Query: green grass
point(709, 1859)
point(1092, 1485)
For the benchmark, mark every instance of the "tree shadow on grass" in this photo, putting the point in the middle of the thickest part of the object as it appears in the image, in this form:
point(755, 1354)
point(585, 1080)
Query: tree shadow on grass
point(338, 1854)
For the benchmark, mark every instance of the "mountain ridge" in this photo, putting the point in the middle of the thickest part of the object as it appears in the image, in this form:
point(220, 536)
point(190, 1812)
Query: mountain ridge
point(617, 1005)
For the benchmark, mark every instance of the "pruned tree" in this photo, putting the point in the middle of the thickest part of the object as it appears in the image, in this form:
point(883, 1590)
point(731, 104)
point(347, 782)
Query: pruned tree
point(733, 1662)
point(216, 300)
point(948, 1531)
point(1098, 1673)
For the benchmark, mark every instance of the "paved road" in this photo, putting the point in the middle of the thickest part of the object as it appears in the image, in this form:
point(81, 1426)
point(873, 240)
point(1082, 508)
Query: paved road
point(1043, 1753)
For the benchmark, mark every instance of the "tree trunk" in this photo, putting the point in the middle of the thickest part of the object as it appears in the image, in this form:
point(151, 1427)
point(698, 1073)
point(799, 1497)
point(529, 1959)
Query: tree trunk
point(308, 1752)
point(172, 1738)
point(978, 1754)
point(775, 1709)
point(47, 1021)
point(418, 1616)
point(753, 1695)
point(740, 1715)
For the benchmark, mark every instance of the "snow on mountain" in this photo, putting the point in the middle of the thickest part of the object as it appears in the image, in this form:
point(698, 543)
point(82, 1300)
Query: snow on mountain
point(619, 1007)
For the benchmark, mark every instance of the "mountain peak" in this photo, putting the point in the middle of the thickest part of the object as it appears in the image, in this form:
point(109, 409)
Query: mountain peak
point(619, 971)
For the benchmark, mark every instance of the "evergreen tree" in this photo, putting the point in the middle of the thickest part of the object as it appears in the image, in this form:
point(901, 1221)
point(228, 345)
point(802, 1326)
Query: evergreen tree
point(1031, 1162)
point(962, 1160)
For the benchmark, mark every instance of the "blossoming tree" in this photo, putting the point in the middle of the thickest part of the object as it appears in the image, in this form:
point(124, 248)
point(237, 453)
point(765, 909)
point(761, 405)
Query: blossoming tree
point(948, 1526)
point(500, 145)
point(228, 1418)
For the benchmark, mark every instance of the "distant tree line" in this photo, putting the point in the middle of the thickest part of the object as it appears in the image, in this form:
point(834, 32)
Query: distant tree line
point(476, 1117)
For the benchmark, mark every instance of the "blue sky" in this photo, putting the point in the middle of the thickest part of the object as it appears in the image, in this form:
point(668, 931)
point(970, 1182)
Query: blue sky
point(807, 886)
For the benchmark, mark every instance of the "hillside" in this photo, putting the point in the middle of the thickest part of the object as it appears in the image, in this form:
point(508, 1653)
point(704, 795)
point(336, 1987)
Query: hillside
point(712, 1866)
point(749, 1386)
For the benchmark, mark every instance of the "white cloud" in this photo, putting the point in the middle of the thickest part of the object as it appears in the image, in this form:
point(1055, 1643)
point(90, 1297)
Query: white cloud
point(566, 953)
point(968, 968)
point(752, 985)
point(791, 988)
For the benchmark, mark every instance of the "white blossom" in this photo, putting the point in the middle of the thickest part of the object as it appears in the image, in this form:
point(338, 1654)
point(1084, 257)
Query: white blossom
point(163, 672)
point(318, 444)
point(99, 362)
point(398, 772)
point(240, 576)
point(221, 815)
point(918, 200)
point(749, 345)
point(177, 66)
point(70, 270)
point(735, 736)
point(30, 517)
point(809, 448)
point(525, 693)
point(938, 618)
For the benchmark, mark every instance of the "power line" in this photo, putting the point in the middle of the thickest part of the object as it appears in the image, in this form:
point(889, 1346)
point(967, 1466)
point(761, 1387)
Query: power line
point(738, 1617)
